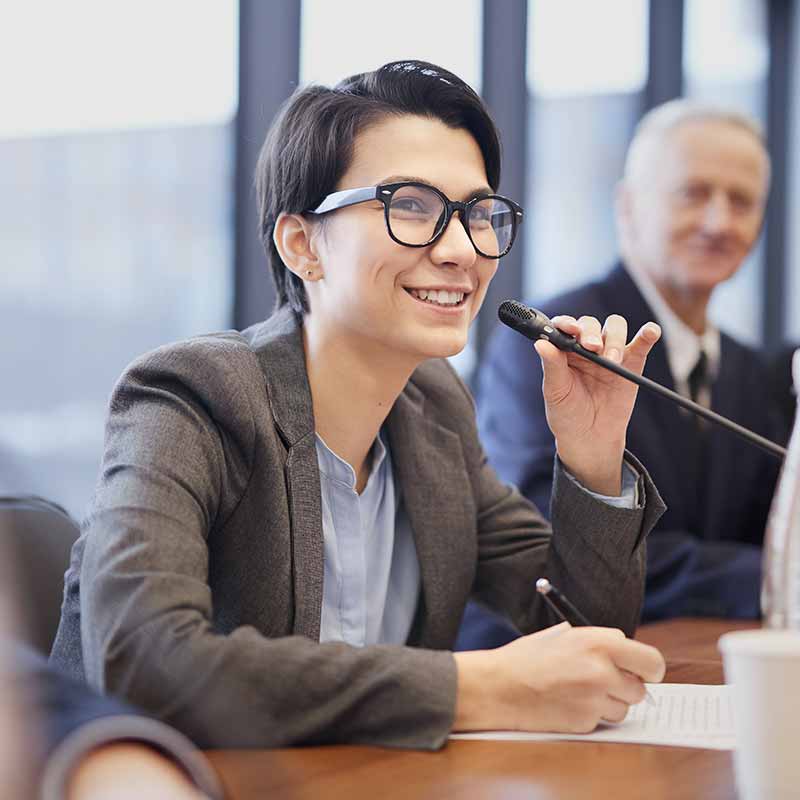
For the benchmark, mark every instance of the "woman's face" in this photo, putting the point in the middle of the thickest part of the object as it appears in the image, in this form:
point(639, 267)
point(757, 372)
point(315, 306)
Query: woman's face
point(370, 287)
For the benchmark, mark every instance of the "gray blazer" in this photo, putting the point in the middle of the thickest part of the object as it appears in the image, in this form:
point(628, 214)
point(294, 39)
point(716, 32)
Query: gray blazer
point(195, 589)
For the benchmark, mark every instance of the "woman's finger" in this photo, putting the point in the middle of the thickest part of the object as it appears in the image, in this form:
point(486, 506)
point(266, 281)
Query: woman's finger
point(627, 687)
point(615, 336)
point(591, 334)
point(639, 659)
point(555, 368)
point(637, 351)
point(614, 710)
point(567, 324)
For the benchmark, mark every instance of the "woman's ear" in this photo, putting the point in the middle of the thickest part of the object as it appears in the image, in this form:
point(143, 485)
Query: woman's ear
point(294, 240)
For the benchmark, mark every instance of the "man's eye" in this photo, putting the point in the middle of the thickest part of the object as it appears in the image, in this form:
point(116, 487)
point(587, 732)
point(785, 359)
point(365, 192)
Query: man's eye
point(741, 202)
point(694, 193)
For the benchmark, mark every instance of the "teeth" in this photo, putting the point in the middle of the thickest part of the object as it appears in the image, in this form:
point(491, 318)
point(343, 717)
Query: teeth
point(441, 296)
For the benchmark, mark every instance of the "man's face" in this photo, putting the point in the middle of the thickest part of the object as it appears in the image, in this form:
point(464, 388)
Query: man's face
point(694, 211)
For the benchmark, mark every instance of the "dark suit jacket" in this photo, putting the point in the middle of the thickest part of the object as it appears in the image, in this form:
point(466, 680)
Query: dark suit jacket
point(63, 704)
point(74, 720)
point(195, 590)
point(784, 395)
point(704, 556)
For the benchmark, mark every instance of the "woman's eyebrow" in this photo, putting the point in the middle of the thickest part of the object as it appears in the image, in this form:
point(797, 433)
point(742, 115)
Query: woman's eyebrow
point(416, 178)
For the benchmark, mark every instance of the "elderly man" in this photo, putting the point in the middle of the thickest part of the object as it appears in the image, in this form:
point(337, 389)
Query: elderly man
point(688, 209)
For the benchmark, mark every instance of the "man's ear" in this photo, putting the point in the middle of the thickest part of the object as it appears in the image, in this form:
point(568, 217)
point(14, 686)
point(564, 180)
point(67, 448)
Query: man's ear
point(294, 240)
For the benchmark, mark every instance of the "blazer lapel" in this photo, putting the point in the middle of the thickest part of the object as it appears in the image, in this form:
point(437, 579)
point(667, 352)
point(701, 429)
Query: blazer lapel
point(431, 472)
point(278, 344)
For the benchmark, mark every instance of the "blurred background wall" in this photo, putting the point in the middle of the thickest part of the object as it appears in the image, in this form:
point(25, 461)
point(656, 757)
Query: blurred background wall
point(129, 132)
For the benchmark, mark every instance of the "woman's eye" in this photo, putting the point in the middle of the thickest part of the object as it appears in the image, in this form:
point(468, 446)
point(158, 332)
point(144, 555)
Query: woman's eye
point(406, 204)
point(410, 205)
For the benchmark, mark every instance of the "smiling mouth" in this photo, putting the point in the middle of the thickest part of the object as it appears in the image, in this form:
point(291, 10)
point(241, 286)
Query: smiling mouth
point(439, 297)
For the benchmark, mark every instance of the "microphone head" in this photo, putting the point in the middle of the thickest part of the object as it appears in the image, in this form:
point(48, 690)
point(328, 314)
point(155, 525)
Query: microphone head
point(512, 310)
point(533, 324)
point(522, 319)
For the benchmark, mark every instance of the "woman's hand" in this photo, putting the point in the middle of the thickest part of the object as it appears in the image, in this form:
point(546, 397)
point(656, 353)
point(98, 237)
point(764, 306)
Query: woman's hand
point(588, 408)
point(561, 679)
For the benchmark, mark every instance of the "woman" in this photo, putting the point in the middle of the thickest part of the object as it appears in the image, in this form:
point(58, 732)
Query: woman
point(289, 520)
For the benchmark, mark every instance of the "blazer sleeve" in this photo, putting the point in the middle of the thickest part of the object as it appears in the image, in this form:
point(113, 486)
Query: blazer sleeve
point(594, 552)
point(180, 449)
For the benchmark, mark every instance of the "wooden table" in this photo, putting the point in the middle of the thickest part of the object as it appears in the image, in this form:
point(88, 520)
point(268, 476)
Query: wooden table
point(508, 770)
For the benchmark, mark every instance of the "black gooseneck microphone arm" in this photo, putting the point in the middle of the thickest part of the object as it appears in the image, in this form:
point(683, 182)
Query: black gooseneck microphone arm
point(535, 325)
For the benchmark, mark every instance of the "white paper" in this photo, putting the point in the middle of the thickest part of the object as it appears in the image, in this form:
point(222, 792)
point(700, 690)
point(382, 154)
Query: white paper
point(684, 715)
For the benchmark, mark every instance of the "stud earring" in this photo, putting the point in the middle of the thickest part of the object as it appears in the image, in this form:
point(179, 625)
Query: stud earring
point(309, 272)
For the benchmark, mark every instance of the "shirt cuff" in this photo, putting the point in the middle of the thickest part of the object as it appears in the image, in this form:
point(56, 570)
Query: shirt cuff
point(630, 494)
point(127, 727)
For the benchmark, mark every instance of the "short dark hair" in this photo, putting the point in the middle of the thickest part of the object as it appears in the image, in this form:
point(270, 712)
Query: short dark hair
point(310, 143)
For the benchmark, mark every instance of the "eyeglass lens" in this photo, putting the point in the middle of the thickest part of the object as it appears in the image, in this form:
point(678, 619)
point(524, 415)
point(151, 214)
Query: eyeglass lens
point(417, 213)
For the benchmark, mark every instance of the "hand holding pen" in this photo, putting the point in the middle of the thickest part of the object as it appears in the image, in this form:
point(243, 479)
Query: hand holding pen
point(556, 600)
point(562, 679)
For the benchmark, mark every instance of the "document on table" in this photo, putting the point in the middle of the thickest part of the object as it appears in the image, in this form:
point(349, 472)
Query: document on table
point(684, 715)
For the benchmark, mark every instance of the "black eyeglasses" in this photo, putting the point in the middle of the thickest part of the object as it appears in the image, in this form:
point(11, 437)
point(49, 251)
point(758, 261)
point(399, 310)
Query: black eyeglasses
point(418, 214)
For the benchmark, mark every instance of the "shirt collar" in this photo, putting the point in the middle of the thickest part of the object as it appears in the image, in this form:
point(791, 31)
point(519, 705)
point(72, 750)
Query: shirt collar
point(337, 469)
point(683, 345)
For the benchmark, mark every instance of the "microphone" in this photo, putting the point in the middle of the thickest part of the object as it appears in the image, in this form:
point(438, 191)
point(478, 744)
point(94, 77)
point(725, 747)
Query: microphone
point(535, 325)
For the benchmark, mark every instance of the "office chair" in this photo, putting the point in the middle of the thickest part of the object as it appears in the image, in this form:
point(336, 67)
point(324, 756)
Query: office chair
point(39, 536)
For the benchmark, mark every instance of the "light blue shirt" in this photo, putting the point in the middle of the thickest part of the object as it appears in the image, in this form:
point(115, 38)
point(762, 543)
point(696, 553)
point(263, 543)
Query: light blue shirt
point(371, 581)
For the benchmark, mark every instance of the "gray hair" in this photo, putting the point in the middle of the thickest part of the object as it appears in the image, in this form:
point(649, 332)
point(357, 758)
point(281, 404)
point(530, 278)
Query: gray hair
point(654, 126)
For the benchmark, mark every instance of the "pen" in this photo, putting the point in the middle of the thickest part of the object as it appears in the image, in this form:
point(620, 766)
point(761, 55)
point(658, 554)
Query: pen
point(556, 600)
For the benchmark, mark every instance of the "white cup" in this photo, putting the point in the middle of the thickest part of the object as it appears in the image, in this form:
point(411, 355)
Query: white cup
point(763, 668)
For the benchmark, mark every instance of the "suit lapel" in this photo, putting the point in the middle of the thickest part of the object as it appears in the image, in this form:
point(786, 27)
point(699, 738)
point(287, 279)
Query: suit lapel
point(724, 448)
point(431, 472)
point(278, 344)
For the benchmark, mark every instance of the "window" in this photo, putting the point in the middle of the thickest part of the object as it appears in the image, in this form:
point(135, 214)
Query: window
point(793, 206)
point(726, 59)
point(587, 67)
point(350, 36)
point(115, 214)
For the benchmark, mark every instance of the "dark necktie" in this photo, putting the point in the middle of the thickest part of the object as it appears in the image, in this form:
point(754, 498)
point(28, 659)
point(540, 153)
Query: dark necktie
point(698, 384)
point(698, 377)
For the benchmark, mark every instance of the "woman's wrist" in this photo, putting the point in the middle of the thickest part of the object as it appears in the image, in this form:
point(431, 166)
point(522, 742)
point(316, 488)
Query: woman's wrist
point(474, 690)
point(599, 471)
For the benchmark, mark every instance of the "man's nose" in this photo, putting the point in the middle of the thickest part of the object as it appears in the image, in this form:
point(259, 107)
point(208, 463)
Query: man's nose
point(717, 216)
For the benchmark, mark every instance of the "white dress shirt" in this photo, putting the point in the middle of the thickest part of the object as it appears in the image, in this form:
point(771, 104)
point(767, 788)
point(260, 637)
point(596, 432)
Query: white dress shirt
point(683, 345)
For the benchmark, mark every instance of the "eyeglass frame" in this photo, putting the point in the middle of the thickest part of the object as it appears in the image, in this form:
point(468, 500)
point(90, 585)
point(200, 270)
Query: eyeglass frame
point(385, 191)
